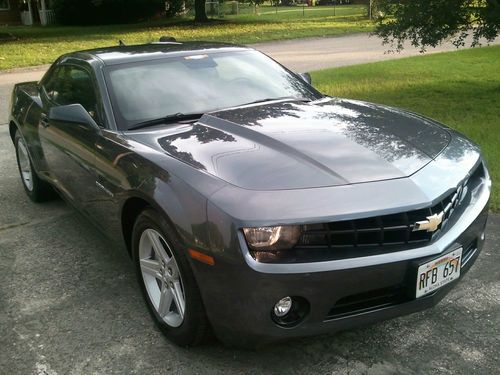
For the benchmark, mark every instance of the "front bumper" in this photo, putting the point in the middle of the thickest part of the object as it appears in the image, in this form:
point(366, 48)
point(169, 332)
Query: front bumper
point(240, 302)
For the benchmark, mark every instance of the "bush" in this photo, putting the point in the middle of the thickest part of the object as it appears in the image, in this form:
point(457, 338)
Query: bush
point(92, 12)
point(176, 7)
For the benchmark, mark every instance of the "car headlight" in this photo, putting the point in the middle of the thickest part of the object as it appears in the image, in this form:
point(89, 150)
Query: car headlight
point(272, 238)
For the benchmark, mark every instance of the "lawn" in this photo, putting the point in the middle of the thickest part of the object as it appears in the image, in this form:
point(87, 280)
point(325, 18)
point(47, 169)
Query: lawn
point(460, 89)
point(41, 45)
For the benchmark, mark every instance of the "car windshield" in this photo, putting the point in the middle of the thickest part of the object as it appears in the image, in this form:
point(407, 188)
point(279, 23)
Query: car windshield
point(198, 84)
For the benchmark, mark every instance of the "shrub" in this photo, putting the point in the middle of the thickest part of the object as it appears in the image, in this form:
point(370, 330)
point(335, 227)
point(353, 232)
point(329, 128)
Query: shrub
point(176, 7)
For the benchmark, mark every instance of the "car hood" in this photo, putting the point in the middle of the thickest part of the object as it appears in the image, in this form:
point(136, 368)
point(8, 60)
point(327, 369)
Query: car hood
point(292, 145)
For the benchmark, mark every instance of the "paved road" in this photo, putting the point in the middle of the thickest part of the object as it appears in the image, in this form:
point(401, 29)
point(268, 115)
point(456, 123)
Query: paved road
point(300, 55)
point(69, 303)
point(303, 55)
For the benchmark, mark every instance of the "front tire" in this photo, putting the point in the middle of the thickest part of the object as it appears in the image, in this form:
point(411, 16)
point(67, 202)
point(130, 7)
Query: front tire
point(36, 189)
point(167, 281)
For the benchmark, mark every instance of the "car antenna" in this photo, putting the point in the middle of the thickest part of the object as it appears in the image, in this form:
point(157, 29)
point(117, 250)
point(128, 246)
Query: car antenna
point(121, 43)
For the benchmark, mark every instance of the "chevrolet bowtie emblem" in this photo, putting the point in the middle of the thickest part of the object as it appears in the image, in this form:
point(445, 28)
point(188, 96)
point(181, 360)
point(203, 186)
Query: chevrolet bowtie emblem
point(431, 224)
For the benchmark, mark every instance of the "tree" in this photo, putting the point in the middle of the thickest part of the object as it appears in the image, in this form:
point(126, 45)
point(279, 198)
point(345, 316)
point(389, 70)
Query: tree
point(426, 23)
point(200, 14)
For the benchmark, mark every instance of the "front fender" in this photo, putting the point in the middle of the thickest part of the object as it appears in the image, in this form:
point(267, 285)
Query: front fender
point(182, 205)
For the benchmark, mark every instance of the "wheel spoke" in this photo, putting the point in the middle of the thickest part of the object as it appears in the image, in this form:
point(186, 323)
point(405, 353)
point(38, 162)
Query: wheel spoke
point(165, 300)
point(151, 267)
point(179, 298)
point(24, 164)
point(158, 247)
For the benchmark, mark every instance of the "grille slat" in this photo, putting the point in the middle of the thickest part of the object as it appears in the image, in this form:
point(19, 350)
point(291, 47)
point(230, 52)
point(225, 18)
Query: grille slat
point(408, 228)
point(381, 231)
point(353, 223)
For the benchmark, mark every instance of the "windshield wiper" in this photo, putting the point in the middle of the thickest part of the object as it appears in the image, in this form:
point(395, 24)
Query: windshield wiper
point(169, 119)
point(279, 98)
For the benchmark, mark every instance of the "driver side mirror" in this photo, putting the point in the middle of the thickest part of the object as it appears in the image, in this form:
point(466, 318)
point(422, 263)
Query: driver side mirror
point(72, 113)
point(306, 77)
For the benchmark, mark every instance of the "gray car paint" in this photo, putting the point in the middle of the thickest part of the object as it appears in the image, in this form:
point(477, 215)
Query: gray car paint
point(328, 142)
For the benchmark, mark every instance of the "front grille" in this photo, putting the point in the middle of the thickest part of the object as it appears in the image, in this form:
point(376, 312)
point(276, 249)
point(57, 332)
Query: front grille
point(388, 231)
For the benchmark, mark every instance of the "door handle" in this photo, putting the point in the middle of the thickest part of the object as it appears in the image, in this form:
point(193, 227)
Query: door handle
point(44, 120)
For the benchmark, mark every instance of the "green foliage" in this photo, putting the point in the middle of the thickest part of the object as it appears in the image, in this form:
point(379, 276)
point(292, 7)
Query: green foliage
point(100, 12)
point(460, 89)
point(174, 7)
point(425, 23)
point(256, 2)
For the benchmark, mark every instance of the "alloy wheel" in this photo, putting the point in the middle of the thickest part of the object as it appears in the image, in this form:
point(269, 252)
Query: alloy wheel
point(24, 164)
point(162, 277)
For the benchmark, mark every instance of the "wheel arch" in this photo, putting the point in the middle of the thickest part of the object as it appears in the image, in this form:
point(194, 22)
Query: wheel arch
point(182, 206)
point(13, 128)
point(131, 209)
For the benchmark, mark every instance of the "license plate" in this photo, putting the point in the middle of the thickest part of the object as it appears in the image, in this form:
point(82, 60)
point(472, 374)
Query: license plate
point(438, 272)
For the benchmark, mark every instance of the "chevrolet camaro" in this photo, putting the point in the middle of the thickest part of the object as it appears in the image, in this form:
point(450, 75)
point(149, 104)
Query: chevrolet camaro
point(252, 205)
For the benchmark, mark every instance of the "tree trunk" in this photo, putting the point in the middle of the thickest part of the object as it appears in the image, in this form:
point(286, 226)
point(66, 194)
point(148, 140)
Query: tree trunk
point(200, 14)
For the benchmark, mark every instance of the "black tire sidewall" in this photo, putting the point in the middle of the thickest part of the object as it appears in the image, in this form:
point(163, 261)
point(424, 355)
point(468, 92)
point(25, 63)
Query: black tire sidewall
point(194, 326)
point(34, 193)
point(42, 190)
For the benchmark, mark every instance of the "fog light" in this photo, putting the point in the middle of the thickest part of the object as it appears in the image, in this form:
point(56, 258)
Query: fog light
point(290, 311)
point(283, 307)
point(482, 236)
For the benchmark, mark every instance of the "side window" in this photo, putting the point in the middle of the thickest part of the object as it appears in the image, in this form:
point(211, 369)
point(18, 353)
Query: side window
point(51, 83)
point(70, 84)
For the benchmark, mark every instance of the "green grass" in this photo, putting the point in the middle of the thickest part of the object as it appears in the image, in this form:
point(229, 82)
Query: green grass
point(460, 89)
point(270, 13)
point(42, 45)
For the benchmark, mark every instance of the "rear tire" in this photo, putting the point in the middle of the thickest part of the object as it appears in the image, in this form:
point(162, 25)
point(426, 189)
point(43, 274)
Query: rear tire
point(167, 281)
point(36, 189)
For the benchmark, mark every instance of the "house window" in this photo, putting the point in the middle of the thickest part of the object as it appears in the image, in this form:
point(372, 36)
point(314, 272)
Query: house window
point(4, 4)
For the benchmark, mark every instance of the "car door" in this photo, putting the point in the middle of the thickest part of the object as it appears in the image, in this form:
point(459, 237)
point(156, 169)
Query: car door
point(68, 147)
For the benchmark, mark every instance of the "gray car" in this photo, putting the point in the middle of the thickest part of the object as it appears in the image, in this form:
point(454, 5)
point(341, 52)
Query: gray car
point(252, 205)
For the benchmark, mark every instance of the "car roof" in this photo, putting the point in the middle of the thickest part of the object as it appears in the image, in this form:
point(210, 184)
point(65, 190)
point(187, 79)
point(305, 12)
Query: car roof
point(144, 52)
